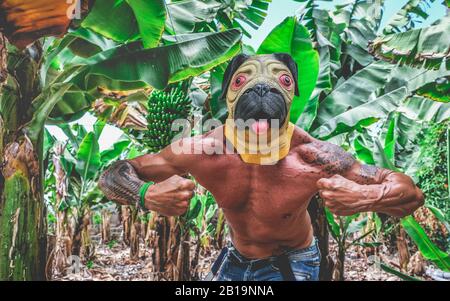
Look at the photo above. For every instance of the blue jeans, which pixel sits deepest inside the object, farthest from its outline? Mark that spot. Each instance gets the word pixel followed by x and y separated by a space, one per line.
pixel 305 264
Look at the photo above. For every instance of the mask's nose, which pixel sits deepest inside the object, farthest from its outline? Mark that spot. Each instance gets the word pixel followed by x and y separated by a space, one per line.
pixel 261 89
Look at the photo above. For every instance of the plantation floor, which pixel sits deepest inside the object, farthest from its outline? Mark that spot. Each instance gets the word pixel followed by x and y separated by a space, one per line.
pixel 114 264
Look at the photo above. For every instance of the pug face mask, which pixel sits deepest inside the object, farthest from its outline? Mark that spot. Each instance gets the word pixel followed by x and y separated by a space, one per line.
pixel 259 91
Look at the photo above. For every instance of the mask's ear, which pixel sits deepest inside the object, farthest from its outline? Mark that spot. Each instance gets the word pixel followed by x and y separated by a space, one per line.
pixel 292 65
pixel 234 64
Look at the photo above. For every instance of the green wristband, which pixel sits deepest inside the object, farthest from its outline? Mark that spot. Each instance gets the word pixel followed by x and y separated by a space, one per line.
pixel 142 192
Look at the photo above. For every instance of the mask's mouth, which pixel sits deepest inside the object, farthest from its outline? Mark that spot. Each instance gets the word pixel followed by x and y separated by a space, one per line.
pixel 260 108
pixel 260 126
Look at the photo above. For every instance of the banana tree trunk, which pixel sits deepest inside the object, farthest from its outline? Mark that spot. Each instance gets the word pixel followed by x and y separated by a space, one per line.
pixel 339 266
pixel 60 252
pixel 106 226
pixel 220 229
pixel 402 247
pixel 316 211
pixel 182 271
pixel 134 234
pixel 23 226
pixel 3 62
pixel 22 219
pixel 82 245
pixel 126 224
pixel 88 249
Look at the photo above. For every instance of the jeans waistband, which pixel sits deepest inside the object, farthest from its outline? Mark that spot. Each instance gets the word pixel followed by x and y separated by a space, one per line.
pixel 312 249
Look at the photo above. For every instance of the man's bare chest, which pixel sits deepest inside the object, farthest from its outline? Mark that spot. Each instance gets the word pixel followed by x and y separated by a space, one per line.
pixel 285 186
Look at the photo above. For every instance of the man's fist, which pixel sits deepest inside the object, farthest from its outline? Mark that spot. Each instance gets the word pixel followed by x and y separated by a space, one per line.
pixel 342 196
pixel 170 197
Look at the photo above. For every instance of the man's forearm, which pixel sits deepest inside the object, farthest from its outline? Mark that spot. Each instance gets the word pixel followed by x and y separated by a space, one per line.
pixel 390 192
pixel 396 195
pixel 120 183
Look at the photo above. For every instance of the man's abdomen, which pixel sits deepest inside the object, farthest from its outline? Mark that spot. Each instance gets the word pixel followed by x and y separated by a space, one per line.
pixel 256 238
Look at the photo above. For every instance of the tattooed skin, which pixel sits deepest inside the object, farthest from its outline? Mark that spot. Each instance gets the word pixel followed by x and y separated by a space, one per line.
pixel 368 173
pixel 332 157
pixel 121 183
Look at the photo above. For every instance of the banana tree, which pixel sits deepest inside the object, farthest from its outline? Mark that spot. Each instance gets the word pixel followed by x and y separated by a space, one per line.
pixel 82 162
pixel 23 235
pixel 64 84
pixel 342 228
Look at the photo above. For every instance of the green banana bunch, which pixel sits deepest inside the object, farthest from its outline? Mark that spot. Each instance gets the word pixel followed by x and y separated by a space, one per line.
pixel 164 108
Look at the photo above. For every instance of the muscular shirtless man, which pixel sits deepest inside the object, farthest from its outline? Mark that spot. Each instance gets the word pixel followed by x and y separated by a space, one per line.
pixel 263 188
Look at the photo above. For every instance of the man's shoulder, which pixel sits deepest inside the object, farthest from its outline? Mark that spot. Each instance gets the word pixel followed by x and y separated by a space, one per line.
pixel 300 137
pixel 328 156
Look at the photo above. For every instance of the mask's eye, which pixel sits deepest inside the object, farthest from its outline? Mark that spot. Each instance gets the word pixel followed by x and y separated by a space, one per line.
pixel 238 81
pixel 286 81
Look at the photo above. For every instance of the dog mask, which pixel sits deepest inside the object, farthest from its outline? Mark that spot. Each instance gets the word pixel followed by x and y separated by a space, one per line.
pixel 259 91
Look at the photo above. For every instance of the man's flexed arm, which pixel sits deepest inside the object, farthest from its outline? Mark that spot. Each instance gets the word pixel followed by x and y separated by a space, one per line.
pixel 381 190
pixel 352 187
pixel 124 179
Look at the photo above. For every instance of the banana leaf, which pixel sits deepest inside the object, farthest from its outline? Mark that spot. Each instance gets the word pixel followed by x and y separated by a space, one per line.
pixel 130 67
pixel 326 34
pixel 184 15
pixel 98 128
pixel 369 149
pixel 195 15
pixel 81 41
pixel 405 19
pixel 352 11
pixel 217 106
pixel 114 152
pixel 363 153
pixel 113 19
pixel 427 46
pixel 293 38
pixel 390 140
pixel 362 115
pixel 407 147
pixel 353 225
pixel 252 13
pixel 128 20
pixel 437 91
pixel 397 273
pixel 426 247
pixel 371 81
pixel 424 109
pixel 88 157
pixel 334 227
pixel 71 105
pixel 357 90
pixel 43 105
pixel 150 17
pixel 87 43
pixel 361 20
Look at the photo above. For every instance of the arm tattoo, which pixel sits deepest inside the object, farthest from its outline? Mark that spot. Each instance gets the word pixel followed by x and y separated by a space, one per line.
pixel 368 173
pixel 332 158
pixel 121 183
